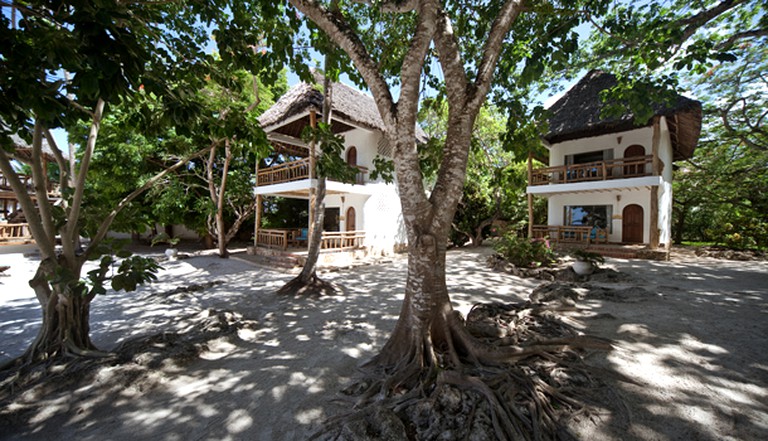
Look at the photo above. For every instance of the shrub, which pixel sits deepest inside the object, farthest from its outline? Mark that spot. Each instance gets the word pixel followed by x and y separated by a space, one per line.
pixel 525 253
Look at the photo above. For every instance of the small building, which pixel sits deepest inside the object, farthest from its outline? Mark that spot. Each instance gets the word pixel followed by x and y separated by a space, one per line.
pixel 609 180
pixel 363 217
pixel 13 223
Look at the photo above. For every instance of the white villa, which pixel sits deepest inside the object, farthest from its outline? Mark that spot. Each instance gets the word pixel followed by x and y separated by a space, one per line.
pixel 364 217
pixel 608 180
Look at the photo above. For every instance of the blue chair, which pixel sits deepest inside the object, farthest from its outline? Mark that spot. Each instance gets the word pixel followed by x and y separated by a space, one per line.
pixel 303 236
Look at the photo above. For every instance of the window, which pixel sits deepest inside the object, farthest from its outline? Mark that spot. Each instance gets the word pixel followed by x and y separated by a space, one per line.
pixel 589 215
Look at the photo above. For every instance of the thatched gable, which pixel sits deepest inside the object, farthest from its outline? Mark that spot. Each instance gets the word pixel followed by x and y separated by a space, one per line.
pixel 577 115
pixel 23 150
pixel 349 105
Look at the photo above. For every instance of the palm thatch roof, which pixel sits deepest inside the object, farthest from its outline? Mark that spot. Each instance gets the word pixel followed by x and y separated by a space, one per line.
pixel 349 107
pixel 290 114
pixel 577 115
pixel 23 150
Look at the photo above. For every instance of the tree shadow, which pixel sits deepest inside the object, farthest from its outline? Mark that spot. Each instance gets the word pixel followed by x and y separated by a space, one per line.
pixel 694 351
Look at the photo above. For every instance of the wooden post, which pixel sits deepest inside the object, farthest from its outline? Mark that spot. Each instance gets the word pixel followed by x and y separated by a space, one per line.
pixel 654 231
pixel 312 189
pixel 259 200
pixel 530 196
pixel 258 208
pixel 656 161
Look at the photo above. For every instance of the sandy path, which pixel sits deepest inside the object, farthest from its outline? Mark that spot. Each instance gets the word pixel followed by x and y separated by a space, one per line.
pixel 697 352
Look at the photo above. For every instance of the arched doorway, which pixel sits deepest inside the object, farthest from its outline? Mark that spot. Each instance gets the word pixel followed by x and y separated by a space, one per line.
pixel 633 151
pixel 352 156
pixel 632 224
pixel 351 219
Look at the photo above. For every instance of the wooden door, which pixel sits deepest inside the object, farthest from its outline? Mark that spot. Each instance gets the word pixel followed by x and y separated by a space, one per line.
pixel 634 151
pixel 632 224
pixel 352 156
pixel 351 223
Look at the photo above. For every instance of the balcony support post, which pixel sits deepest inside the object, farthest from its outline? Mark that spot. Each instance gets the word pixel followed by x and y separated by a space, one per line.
pixel 530 196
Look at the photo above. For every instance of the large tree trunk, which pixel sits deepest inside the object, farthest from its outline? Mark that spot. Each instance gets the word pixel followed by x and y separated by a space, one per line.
pixel 65 326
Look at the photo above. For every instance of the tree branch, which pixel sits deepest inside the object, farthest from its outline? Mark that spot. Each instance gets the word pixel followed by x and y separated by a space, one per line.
pixel 44 242
pixel 344 37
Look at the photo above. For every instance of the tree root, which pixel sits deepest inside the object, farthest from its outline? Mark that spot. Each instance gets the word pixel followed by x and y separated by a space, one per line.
pixel 314 287
pixel 453 384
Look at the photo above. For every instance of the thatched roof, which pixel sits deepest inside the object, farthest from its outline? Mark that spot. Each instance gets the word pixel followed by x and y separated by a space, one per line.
pixel 23 150
pixel 350 106
pixel 577 115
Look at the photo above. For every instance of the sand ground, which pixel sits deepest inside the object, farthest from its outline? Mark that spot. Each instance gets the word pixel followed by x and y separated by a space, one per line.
pixel 690 361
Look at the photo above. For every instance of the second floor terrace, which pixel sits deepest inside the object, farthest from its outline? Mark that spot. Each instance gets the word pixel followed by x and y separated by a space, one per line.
pixel 296 171
pixel 623 168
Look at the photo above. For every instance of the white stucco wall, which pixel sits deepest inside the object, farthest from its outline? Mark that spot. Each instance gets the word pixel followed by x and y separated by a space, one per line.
pixel 366 143
pixel 378 214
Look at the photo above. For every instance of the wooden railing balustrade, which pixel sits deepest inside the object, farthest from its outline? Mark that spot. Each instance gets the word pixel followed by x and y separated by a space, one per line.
pixel 282 238
pixel 297 171
pixel 26 180
pixel 14 232
pixel 570 233
pixel 594 171
pixel 288 172
pixel 342 240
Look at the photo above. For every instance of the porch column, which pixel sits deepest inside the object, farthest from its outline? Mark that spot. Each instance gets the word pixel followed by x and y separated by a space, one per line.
pixel 656 161
pixel 654 223
pixel 312 189
pixel 259 200
pixel 258 207
pixel 530 196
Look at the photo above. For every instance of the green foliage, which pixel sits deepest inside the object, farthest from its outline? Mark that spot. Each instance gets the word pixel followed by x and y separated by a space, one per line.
pixel 330 163
pixel 124 271
pixel 588 256
pixel 383 168
pixel 523 252
pixel 165 238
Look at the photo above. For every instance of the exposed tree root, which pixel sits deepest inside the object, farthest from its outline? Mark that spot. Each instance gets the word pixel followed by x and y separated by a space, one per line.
pixel 315 286
pixel 508 372
pixel 134 359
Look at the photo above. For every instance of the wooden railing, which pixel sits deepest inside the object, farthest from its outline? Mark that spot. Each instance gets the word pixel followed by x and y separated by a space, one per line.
pixel 10 232
pixel 26 180
pixel 567 233
pixel 342 240
pixel 274 238
pixel 594 171
pixel 360 176
pixel 288 172
pixel 297 171
pixel 282 238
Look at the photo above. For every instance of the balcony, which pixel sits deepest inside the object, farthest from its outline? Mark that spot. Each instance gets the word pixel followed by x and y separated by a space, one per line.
pixel 622 168
pixel 296 171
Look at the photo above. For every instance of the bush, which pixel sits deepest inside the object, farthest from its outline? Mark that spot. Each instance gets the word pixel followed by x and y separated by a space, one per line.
pixel 525 253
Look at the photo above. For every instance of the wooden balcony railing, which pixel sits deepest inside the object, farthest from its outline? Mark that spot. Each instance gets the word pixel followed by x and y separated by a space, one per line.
pixel 288 172
pixel 297 171
pixel 594 171
pixel 26 181
pixel 568 233
pixel 342 240
pixel 10 232
pixel 282 238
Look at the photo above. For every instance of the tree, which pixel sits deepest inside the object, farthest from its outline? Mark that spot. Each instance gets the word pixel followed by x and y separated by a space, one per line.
pixel 388 43
pixel 64 62
pixel 717 49
pixel 720 192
